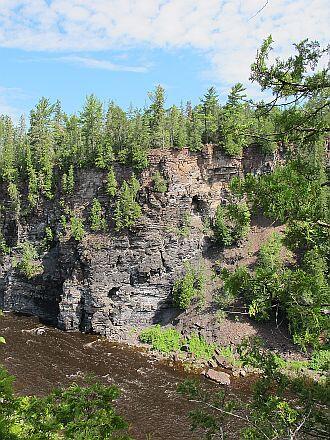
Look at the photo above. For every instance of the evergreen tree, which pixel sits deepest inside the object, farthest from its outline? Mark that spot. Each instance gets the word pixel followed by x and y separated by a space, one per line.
pixel 177 128
pixel 116 127
pixel 97 220
pixel 91 119
pixel 42 145
pixel 127 209
pixel 194 132
pixel 157 118
pixel 210 110
pixel 111 183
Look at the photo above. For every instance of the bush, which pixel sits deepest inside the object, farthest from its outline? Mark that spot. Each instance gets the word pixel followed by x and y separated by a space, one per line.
pixel 84 413
pixel 28 263
pixel 231 223
pixel 160 184
pixel 190 286
pixel 77 228
pixel 4 249
pixel 291 191
pixel 127 209
pixel 111 183
pixel 98 222
pixel 320 360
pixel 222 232
pixel 199 348
pixel 165 340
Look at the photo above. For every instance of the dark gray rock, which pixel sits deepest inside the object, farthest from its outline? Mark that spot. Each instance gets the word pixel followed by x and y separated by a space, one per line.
pixel 110 283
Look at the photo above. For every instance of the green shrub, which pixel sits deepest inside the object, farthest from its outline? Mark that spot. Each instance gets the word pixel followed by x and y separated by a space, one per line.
pixel 160 184
pixel 74 413
pixel 28 263
pixel 199 348
pixel 127 209
pixel 77 228
pixel 222 232
pixel 68 181
pixel 239 215
pixel 291 191
pixel 4 249
pixel 97 221
pixel 111 183
pixel 231 223
pixel 190 286
pixel 320 360
pixel 165 340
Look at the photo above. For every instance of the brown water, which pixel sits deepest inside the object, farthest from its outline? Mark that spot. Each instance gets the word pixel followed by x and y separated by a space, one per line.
pixel 149 399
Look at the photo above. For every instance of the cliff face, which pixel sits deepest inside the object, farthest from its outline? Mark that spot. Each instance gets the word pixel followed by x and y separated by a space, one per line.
pixel 112 282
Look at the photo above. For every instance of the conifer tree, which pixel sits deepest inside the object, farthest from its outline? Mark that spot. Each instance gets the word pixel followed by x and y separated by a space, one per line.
pixel 111 183
pixel 157 117
pixel 91 119
pixel 210 110
pixel 42 144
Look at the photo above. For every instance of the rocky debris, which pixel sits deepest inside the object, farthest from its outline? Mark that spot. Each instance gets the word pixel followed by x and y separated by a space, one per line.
pixel 36 331
pixel 218 376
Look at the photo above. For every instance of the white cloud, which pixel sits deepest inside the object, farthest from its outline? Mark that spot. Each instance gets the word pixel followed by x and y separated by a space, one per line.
pixel 223 30
pixel 9 95
pixel 95 63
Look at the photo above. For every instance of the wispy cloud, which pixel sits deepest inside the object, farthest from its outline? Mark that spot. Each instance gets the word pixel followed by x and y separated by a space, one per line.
pixel 8 97
pixel 94 63
pixel 228 33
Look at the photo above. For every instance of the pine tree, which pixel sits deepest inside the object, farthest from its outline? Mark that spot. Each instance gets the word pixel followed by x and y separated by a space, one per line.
pixel 97 220
pixel 210 110
pixel 42 144
pixel 91 119
pixel 111 183
pixel 194 132
pixel 127 209
pixel 177 128
pixel 157 117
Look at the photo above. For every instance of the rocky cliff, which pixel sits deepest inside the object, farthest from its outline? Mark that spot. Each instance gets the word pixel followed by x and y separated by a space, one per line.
pixel 111 282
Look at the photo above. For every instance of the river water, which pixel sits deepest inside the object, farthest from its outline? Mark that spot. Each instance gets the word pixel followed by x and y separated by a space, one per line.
pixel 43 360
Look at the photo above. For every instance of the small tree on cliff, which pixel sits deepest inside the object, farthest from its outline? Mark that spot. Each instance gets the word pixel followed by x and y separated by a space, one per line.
pixel 127 209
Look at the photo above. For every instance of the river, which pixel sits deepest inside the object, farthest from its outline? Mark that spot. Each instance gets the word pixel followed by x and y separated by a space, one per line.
pixel 42 360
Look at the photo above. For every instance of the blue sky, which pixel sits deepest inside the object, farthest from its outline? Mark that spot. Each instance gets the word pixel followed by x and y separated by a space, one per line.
pixel 120 49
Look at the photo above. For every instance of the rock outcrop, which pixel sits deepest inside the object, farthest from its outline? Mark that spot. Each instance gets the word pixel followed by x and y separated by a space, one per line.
pixel 111 282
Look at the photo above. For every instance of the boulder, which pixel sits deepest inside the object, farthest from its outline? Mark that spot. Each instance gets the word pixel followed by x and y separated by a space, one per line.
pixel 218 376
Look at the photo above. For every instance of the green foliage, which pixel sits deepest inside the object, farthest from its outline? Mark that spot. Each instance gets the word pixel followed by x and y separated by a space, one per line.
pixel 77 227
pixel 222 232
pixel 14 196
pixel 4 248
pixel 261 288
pixel 277 406
pixel 299 293
pixel 164 340
pixel 127 210
pixel 159 182
pixel 111 183
pixel 199 348
pixel 28 263
pixel 231 223
pixel 276 194
pixel 168 340
pixel 74 413
pixel 48 237
pixel 97 220
pixel 68 181
pixel 320 360
pixel 189 287
pixel 157 117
